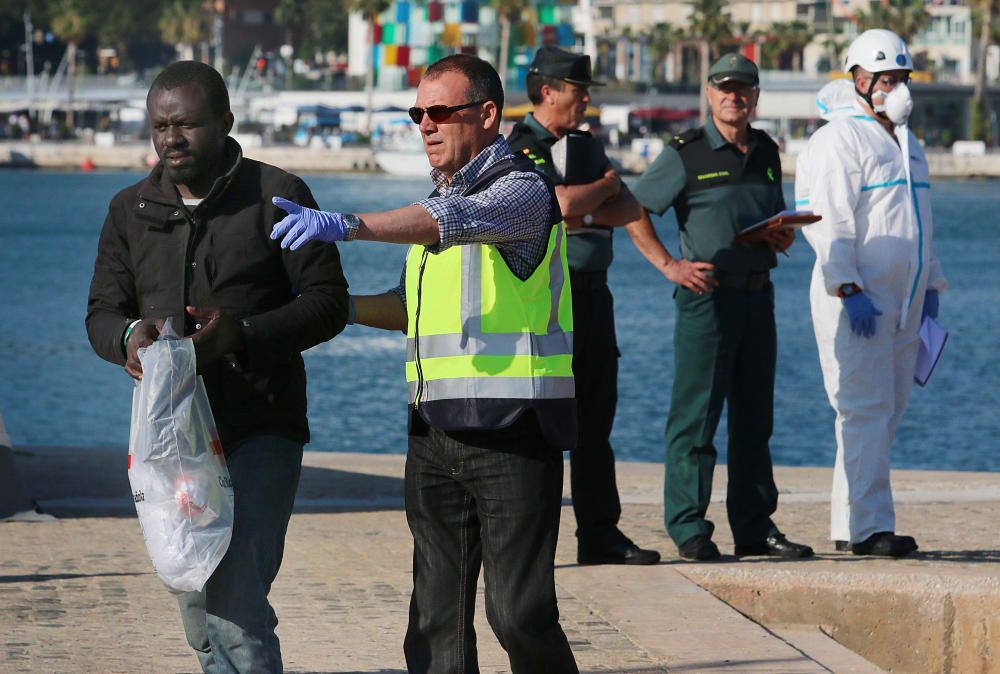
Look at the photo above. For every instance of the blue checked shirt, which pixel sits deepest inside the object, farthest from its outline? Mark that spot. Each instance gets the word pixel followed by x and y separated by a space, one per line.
pixel 512 213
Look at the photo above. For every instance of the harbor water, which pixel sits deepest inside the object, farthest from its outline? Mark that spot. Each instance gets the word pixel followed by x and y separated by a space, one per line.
pixel 55 391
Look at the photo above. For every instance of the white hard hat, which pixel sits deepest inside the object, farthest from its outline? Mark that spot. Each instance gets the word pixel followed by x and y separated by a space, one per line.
pixel 878 50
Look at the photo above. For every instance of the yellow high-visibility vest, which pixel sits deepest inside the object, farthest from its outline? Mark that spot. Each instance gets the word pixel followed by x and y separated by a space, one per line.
pixel 477 331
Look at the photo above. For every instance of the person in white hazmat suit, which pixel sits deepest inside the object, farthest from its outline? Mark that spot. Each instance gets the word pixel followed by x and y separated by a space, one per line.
pixel 875 277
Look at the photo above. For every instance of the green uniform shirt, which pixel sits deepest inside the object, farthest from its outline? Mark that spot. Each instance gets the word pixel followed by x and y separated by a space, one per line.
pixel 585 251
pixel 716 191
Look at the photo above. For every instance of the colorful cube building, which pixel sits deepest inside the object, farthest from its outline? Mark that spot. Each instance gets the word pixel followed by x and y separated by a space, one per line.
pixel 410 35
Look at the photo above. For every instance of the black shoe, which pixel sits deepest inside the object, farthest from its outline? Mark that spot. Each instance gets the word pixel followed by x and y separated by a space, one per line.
pixel 699 548
pixel 622 552
pixel 842 546
pixel 775 545
pixel 885 544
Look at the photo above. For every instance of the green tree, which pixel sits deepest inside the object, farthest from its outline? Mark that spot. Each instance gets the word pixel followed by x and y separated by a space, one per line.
pixel 125 24
pixel 183 24
pixel 834 44
pixel 906 18
pixel 72 22
pixel 325 26
pixel 662 40
pixel 785 44
pixel 370 9
pixel 709 25
pixel 12 16
pixel 509 12
pixel 291 14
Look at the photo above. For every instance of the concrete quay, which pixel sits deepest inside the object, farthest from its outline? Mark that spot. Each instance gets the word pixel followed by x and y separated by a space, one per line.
pixel 78 594
pixel 134 156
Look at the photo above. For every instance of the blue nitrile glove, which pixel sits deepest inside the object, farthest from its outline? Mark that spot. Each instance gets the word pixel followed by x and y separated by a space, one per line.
pixel 862 313
pixel 303 224
pixel 931 304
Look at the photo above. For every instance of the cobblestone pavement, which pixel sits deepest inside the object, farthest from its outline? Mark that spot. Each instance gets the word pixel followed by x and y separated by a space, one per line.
pixel 78 594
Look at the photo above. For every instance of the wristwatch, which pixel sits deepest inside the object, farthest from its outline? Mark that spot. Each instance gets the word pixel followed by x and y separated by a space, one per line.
pixel 848 289
pixel 588 220
pixel 351 224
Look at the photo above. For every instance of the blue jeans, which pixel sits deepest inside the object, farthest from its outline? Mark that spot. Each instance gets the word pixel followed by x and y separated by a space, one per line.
pixel 490 499
pixel 230 623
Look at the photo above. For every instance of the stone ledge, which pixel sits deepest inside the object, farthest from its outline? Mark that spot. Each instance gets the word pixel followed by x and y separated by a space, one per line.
pixel 908 622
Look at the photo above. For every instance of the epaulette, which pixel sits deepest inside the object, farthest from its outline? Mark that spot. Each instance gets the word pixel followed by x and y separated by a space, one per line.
pixel 682 139
pixel 764 137
pixel 533 157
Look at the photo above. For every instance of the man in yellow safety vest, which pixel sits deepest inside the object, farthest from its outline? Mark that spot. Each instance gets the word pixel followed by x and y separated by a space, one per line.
pixel 485 303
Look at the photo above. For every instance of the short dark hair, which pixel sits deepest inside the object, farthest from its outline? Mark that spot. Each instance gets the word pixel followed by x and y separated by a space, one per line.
pixel 182 73
pixel 534 82
pixel 484 82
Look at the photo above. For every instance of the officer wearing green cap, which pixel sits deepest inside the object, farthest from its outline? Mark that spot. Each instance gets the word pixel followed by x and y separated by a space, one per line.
pixel 720 178
pixel 593 200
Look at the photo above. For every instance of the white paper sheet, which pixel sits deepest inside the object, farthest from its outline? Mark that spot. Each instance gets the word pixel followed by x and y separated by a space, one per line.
pixel 933 337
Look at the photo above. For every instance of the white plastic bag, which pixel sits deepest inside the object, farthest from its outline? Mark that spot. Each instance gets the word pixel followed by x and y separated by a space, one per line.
pixel 180 482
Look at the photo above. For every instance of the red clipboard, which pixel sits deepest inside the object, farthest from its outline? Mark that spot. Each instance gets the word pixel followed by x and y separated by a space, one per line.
pixel 783 220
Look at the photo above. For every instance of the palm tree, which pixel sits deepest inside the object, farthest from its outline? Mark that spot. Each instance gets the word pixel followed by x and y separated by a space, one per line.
pixel 508 13
pixel 183 25
pixel 72 21
pixel 787 39
pixel 370 9
pixel 125 25
pixel 291 14
pixel 834 44
pixel 325 24
pixel 906 18
pixel 709 24
pixel 662 39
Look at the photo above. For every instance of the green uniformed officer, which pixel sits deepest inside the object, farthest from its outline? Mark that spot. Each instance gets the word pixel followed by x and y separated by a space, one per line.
pixel 592 200
pixel 720 178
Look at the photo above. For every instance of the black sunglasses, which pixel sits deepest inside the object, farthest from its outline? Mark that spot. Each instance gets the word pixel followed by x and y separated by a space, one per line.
pixel 438 113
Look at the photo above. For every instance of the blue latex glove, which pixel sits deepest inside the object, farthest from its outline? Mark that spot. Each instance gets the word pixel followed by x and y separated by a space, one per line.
pixel 303 224
pixel 862 313
pixel 931 304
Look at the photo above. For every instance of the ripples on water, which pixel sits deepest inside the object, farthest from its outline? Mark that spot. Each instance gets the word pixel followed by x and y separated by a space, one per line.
pixel 54 391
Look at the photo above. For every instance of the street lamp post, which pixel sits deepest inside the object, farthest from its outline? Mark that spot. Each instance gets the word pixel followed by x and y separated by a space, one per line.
pixel 217 24
pixel 29 59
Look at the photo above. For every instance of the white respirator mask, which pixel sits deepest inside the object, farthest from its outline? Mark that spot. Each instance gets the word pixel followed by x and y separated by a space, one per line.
pixel 896 105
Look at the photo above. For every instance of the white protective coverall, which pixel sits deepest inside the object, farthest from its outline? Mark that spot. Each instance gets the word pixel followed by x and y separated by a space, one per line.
pixel 876 231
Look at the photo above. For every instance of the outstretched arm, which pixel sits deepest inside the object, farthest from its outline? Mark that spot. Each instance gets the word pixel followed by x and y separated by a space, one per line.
pixel 385 311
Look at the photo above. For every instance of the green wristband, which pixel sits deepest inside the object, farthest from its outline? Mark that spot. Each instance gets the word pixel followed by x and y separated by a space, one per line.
pixel 128 331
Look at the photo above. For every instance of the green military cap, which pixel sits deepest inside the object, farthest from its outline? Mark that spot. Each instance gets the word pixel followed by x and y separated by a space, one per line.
pixel 563 65
pixel 734 68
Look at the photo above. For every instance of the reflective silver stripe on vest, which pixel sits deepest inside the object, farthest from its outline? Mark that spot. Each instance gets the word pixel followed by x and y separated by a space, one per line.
pixel 473 340
pixel 521 388
pixel 503 344
pixel 472 289
pixel 556 280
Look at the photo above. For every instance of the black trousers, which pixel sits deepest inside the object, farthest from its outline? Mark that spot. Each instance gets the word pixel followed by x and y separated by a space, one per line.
pixel 490 499
pixel 595 368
